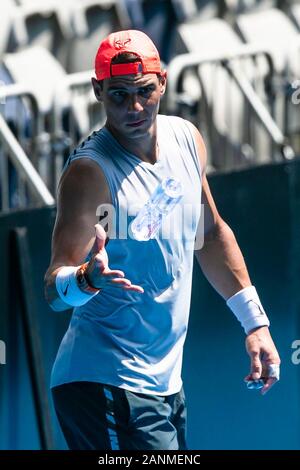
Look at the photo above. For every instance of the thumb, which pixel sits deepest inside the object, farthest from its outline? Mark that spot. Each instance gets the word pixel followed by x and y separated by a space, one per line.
pixel 256 367
pixel 100 237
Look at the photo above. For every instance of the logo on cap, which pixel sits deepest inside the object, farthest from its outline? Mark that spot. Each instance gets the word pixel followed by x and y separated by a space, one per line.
pixel 120 44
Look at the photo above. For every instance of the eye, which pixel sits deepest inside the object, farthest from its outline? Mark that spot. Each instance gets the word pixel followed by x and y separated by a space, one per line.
pixel 119 94
pixel 145 90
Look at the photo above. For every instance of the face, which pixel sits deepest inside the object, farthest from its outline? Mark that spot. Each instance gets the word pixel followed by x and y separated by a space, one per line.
pixel 131 103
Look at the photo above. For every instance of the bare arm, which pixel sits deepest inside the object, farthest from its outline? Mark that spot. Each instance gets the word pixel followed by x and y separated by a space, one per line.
pixel 220 258
pixel 223 265
pixel 82 189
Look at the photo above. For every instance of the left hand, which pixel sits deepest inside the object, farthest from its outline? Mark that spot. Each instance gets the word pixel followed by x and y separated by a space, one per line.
pixel 262 352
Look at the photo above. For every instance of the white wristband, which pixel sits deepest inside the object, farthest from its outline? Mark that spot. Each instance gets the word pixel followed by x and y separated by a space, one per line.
pixel 248 309
pixel 68 289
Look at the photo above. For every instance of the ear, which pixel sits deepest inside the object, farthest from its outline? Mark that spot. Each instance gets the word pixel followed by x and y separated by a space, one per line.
pixel 163 82
pixel 97 89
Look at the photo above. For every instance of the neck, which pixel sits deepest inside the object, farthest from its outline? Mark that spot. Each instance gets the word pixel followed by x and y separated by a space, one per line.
pixel 145 148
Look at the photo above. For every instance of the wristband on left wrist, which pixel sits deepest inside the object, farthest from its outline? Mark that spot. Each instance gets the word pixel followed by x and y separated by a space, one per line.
pixel 248 309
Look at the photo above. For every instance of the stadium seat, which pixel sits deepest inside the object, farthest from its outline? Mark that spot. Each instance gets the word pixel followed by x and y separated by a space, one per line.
pixel 274 30
pixel 8 26
pixel 38 70
pixel 158 19
pixel 245 6
pixel 92 20
pixel 295 13
pixel 46 25
pixel 226 122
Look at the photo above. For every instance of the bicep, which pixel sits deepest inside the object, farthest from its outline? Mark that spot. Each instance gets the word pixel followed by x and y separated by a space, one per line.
pixel 209 209
pixel 80 193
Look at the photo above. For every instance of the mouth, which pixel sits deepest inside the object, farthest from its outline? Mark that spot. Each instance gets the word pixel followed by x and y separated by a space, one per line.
pixel 136 123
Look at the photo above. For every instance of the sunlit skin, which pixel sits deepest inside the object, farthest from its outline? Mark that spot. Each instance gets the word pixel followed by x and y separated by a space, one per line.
pixel 131 103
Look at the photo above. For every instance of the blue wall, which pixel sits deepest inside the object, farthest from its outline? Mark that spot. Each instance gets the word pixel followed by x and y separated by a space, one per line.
pixel 263 208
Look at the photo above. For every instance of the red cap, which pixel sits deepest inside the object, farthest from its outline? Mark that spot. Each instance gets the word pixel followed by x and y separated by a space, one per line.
pixel 133 41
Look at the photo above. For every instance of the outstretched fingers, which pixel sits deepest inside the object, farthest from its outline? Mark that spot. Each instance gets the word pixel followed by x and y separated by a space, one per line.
pixel 134 288
pixel 117 279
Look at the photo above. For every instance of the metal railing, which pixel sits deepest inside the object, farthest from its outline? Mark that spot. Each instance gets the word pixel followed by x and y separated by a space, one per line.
pixel 71 126
pixel 28 184
pixel 254 111
pixel 51 139
pixel 37 159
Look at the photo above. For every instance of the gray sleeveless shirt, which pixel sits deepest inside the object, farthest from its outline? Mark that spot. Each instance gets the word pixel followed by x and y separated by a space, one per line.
pixel 127 339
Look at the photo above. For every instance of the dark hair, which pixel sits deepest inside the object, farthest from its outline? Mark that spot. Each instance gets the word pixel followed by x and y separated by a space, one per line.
pixel 125 58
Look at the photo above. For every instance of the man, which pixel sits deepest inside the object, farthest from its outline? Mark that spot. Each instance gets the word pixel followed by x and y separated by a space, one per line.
pixel 117 376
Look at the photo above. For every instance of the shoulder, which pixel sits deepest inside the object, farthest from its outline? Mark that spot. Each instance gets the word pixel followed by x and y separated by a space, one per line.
pixel 175 124
pixel 190 130
pixel 179 122
pixel 85 163
pixel 164 119
pixel 84 178
pixel 94 143
pixel 199 143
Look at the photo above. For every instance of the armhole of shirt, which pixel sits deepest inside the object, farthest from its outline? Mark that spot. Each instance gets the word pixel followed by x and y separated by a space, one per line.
pixel 195 155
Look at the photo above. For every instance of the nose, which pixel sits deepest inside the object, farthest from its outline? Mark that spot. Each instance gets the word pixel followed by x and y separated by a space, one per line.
pixel 134 103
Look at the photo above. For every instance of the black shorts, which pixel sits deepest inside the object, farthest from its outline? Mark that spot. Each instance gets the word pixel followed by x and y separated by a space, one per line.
pixel 103 417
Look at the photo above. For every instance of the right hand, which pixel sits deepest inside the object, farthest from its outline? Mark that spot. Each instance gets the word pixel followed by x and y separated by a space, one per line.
pixel 98 271
pixel 263 354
